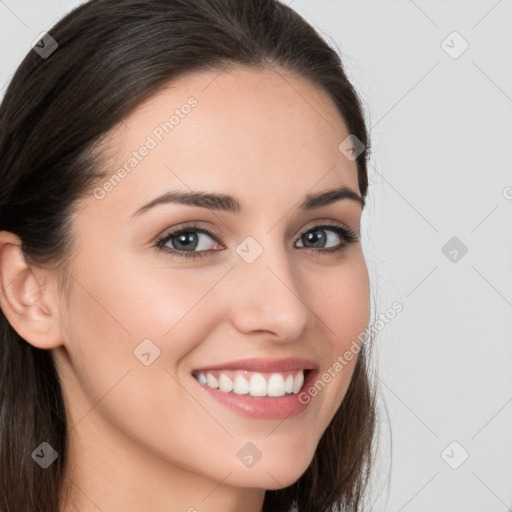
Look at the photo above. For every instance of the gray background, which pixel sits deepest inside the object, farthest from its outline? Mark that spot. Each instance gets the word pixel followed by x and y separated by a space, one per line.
pixel 441 131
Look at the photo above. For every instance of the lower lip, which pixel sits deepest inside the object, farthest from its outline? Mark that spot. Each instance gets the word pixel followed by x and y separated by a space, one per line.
pixel 265 407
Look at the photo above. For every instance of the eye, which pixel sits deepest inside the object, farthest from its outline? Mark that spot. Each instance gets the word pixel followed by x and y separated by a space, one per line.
pixel 316 235
pixel 191 242
pixel 186 242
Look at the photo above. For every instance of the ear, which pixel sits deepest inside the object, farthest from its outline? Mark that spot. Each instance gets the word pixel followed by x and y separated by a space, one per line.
pixel 28 306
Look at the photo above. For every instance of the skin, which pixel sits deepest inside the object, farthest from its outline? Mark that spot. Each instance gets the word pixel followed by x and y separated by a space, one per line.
pixel 148 437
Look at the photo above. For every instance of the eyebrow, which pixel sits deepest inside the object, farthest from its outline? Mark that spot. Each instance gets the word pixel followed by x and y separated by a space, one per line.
pixel 224 202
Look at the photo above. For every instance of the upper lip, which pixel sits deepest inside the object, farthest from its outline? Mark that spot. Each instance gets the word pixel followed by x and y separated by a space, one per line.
pixel 264 365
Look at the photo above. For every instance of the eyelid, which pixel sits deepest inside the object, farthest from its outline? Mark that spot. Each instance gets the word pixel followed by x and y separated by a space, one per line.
pixel 347 235
pixel 193 226
pixel 324 222
pixel 218 236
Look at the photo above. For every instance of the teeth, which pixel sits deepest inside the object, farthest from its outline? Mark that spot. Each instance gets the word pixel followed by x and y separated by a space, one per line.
pixel 241 386
pixel 288 384
pixel 299 380
pixel 211 381
pixel 276 385
pixel 225 383
pixel 258 385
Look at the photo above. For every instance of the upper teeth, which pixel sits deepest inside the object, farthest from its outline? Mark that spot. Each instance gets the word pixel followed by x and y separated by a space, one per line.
pixel 255 384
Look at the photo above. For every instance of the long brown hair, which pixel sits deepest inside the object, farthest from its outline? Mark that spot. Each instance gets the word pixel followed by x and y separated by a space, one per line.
pixel 111 56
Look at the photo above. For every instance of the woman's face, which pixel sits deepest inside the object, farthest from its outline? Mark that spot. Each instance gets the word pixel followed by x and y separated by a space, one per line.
pixel 144 325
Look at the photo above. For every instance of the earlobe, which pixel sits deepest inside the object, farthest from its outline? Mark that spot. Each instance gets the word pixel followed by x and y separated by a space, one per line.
pixel 23 300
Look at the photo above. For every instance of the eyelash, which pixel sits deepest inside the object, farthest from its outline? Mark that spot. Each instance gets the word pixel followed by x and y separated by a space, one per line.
pixel 347 234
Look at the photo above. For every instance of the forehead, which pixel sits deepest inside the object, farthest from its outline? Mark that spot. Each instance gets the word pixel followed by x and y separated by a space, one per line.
pixel 261 135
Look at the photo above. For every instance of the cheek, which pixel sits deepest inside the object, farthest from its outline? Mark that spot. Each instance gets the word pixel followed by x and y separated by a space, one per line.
pixel 130 326
pixel 119 304
pixel 111 313
pixel 343 309
pixel 342 301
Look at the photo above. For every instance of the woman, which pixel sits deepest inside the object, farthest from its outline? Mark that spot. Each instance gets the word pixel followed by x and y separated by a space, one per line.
pixel 185 299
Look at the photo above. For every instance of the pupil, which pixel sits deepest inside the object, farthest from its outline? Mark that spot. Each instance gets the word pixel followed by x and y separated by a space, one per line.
pixel 186 240
pixel 319 237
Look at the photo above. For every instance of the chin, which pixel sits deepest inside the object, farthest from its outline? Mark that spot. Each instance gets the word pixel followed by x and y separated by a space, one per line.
pixel 275 473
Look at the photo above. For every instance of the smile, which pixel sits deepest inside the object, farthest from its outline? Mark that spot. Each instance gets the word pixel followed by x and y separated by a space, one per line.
pixel 243 382
pixel 258 388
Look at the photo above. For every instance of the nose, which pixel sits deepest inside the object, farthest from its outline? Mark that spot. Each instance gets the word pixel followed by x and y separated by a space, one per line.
pixel 267 296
